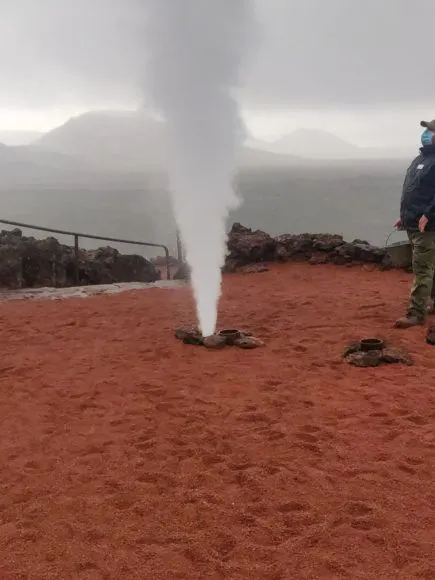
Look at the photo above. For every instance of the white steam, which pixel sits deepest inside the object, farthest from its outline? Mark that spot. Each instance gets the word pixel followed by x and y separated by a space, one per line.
pixel 197 54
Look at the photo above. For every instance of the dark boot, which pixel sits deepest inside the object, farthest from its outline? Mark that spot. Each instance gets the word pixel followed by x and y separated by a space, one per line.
pixel 409 321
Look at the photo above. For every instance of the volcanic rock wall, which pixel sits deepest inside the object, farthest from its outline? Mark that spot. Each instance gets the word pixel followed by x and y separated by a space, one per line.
pixel 26 262
pixel 246 246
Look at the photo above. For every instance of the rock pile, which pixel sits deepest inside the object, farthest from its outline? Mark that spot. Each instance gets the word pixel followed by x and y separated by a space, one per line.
pixel 356 356
pixel 248 249
pixel 241 339
pixel 246 246
pixel 26 262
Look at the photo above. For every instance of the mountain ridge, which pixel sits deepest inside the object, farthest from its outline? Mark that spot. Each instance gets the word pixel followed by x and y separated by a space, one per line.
pixel 133 140
pixel 319 144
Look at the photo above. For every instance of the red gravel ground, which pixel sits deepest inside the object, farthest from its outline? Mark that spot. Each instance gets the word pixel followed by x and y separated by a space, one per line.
pixel 125 454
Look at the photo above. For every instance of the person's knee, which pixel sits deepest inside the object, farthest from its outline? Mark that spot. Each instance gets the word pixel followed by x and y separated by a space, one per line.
pixel 424 258
pixel 423 278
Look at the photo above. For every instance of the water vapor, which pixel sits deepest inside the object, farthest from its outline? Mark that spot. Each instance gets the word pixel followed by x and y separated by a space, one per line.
pixel 198 53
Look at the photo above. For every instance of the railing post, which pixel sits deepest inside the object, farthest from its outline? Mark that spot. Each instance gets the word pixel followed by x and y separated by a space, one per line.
pixel 168 264
pixel 179 248
pixel 76 259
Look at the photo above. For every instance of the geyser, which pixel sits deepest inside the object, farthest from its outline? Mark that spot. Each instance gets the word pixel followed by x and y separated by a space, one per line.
pixel 197 56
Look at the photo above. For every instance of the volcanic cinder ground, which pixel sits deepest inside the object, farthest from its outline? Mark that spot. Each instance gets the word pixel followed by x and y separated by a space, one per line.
pixel 125 454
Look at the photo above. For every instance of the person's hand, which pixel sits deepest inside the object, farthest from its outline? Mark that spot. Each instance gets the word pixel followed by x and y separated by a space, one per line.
pixel 422 223
pixel 398 225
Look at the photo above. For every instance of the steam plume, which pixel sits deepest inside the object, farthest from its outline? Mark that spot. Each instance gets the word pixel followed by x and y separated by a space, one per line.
pixel 197 54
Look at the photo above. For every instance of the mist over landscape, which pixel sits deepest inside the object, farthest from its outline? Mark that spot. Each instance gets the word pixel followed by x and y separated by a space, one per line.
pixel 329 131
pixel 104 173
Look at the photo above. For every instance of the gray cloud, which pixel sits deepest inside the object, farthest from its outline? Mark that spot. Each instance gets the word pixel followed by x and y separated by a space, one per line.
pixel 357 52
pixel 71 52
pixel 365 53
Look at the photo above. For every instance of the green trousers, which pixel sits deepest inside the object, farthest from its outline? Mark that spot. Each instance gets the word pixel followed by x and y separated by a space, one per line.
pixel 423 267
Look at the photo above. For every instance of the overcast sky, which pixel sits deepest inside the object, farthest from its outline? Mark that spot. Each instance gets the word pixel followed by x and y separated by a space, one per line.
pixel 322 57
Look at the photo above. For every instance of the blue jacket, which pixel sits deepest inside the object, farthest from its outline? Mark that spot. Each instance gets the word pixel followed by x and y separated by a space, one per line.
pixel 418 194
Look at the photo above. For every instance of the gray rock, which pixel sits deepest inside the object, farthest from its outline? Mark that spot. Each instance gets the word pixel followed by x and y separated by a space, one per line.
pixel 189 335
pixel 392 355
pixel 246 246
pixel 319 258
pixel 26 262
pixel 372 358
pixel 248 342
pixel 215 342
pixel 254 269
pixel 358 252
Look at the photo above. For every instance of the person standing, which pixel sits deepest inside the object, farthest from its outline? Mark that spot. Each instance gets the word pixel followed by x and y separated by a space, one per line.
pixel 417 218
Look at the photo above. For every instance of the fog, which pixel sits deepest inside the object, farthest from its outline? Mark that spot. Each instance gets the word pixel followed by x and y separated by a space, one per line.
pixel 362 54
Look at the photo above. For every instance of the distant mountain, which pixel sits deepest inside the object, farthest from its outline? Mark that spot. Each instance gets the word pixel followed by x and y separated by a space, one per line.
pixel 25 154
pixel 26 166
pixel 315 144
pixel 322 145
pixel 255 157
pixel 124 150
pixel 102 150
pixel 106 138
pixel 129 141
pixel 14 138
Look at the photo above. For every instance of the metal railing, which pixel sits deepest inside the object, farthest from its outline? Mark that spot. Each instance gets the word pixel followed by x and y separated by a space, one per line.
pixel 77 236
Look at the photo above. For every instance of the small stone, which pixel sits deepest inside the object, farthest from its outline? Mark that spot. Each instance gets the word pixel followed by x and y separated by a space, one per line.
pixel 189 335
pixel 214 341
pixel 318 259
pixel 248 342
pixel 365 359
pixel 254 269
pixel 395 355
pixel 245 333
pixel 352 348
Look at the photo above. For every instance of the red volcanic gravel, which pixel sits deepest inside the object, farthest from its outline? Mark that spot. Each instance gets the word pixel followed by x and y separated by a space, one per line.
pixel 125 454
